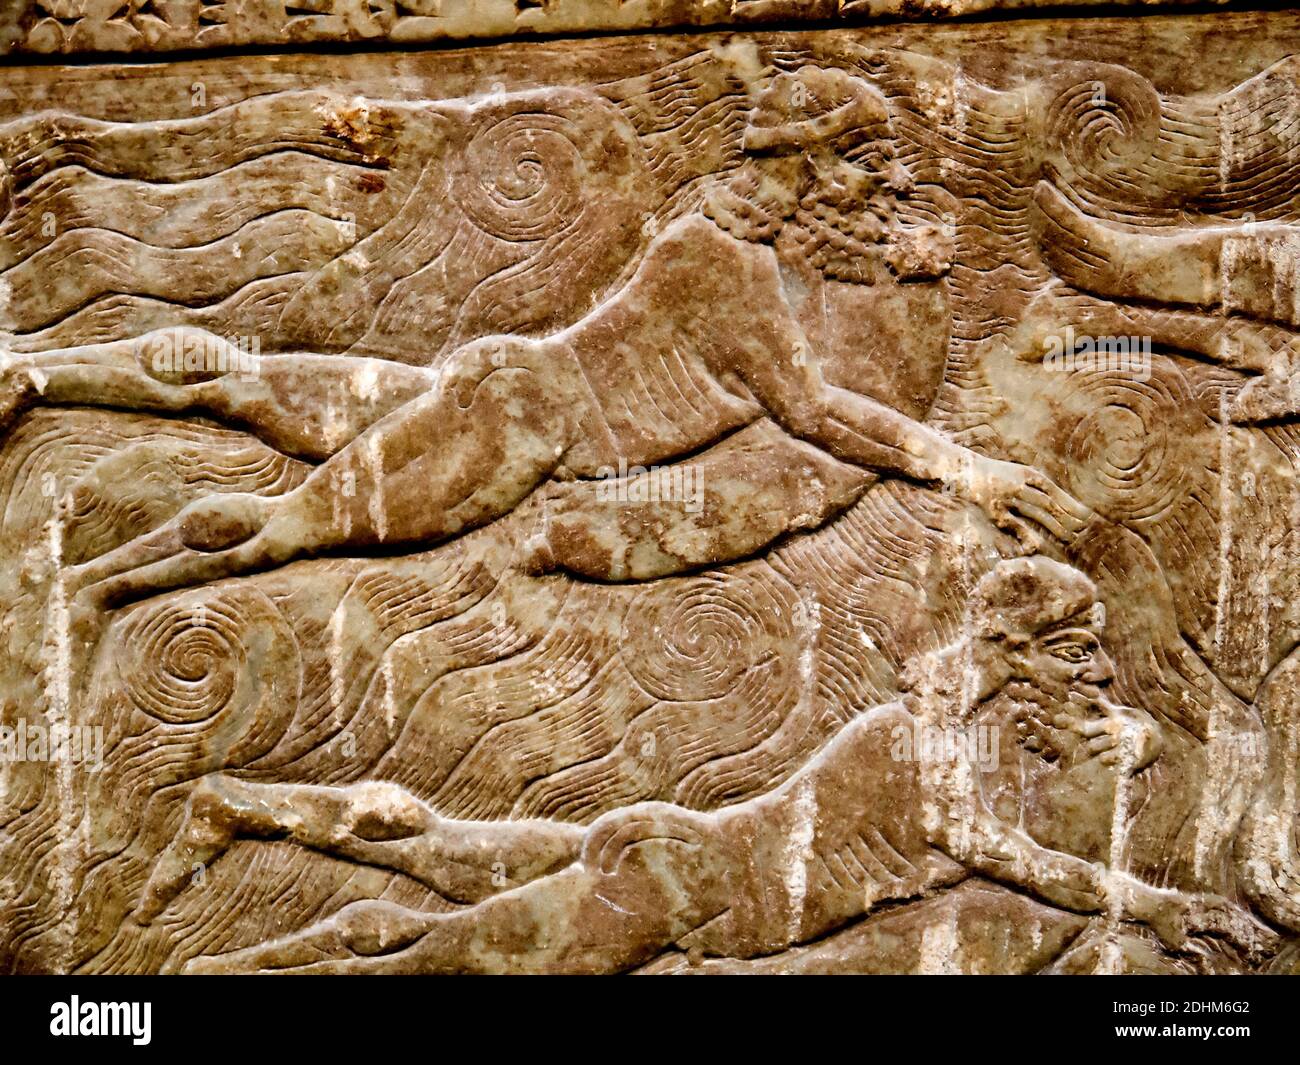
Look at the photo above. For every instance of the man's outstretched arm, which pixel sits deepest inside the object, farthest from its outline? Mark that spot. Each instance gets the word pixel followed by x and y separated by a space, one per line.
pixel 776 362
pixel 971 834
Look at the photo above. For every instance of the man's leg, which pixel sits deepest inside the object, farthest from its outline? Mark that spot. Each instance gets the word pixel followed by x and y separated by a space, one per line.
pixel 498 423
pixel 186 148
pixel 648 875
pixel 1237 267
pixel 1058 317
pixel 307 406
pixel 376 823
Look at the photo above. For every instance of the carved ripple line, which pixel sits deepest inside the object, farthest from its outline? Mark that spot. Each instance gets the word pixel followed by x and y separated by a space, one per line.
pixel 185 660
pixel 1124 463
pixel 522 177
pixel 1106 123
pixel 690 640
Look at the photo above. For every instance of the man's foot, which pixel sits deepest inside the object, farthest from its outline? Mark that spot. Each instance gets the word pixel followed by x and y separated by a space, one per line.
pixel 363 936
pixel 1266 398
pixel 211 539
pixel 208 830
pixel 18 390
pixel 1181 267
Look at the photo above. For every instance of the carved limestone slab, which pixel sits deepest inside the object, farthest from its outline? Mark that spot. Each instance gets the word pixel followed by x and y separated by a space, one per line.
pixel 819 500
pixel 81 26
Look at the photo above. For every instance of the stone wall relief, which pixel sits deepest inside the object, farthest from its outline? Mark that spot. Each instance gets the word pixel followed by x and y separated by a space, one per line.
pixel 538 531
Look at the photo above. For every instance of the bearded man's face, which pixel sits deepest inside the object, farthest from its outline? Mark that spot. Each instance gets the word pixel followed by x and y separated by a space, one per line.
pixel 1069 659
pixel 858 179
pixel 846 216
pixel 1059 684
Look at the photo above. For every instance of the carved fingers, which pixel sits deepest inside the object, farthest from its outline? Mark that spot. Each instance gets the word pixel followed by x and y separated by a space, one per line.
pixel 1213 915
pixel 1013 494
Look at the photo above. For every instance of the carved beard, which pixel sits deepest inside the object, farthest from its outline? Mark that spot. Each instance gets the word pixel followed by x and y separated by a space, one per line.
pixel 849 241
pixel 855 245
pixel 934 686
pixel 1031 706
pixel 736 207
pixel 844 247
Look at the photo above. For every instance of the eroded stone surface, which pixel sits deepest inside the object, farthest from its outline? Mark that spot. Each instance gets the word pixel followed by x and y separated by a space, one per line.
pixel 78 26
pixel 814 501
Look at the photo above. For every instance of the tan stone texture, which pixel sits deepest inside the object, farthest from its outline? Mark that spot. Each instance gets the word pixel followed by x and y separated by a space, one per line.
pixel 665 495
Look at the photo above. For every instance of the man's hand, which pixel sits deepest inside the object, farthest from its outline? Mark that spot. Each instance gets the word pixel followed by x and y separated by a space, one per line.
pixel 1012 494
pixel 1164 911
pixel 1112 733
pixel 1214 915
pixel 1177 917
pixel 1208 915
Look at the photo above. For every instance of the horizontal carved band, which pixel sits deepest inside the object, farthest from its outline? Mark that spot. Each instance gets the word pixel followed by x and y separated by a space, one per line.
pixel 66 27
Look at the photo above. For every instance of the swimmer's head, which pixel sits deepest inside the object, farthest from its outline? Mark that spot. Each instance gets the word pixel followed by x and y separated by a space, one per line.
pixel 822 158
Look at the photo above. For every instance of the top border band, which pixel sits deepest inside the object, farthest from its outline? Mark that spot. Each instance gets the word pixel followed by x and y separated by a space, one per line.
pixel 90 27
